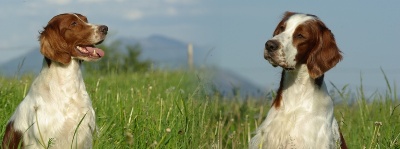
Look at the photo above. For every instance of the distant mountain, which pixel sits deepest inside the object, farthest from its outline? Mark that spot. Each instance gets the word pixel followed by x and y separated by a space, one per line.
pixel 165 53
pixel 169 52
pixel 230 84
pixel 30 62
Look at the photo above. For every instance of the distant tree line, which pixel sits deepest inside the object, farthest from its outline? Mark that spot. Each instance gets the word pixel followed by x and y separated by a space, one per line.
pixel 119 59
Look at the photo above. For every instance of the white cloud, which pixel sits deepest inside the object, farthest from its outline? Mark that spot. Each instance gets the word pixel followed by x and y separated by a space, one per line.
pixel 91 1
pixel 59 2
pixel 66 2
pixel 134 15
pixel 180 1
pixel 171 11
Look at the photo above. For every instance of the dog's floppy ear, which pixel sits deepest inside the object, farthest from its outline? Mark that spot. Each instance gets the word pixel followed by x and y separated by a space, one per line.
pixel 52 44
pixel 325 55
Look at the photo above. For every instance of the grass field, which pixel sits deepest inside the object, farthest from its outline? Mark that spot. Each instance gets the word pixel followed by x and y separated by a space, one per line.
pixel 170 109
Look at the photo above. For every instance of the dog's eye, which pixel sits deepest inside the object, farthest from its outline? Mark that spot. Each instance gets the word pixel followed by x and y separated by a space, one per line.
pixel 282 28
pixel 74 23
pixel 299 36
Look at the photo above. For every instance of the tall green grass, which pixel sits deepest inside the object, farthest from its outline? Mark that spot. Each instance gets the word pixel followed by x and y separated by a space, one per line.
pixel 170 109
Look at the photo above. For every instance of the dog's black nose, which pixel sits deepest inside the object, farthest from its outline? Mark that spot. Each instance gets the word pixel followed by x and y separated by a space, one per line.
pixel 103 29
pixel 271 45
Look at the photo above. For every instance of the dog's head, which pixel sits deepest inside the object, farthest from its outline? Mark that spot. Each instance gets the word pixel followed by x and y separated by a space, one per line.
pixel 69 36
pixel 302 39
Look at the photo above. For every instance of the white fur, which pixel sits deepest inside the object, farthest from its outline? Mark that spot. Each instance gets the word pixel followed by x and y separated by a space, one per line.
pixel 304 120
pixel 55 104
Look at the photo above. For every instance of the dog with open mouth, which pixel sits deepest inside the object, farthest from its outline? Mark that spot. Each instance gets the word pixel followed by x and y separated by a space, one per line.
pixel 57 111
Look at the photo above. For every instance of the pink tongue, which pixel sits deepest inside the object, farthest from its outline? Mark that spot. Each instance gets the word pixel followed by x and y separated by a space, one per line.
pixel 99 52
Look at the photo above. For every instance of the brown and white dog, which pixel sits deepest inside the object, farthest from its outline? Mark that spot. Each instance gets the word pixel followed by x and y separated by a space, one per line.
pixel 301 115
pixel 57 111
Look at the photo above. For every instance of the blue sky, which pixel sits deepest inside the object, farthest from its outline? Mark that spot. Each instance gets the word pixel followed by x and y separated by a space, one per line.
pixel 367 32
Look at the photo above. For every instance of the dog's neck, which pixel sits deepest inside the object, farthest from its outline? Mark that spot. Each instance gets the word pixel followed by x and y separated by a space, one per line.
pixel 70 71
pixel 59 78
pixel 299 85
pixel 300 76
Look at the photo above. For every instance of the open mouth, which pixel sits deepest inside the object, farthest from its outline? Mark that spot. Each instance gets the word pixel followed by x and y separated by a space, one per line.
pixel 90 51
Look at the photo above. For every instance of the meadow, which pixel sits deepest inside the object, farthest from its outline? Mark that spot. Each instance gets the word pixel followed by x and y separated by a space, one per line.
pixel 173 109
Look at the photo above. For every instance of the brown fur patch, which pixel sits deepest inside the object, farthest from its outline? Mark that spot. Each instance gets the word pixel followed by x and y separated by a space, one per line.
pixel 12 138
pixel 342 141
pixel 278 98
pixel 326 54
